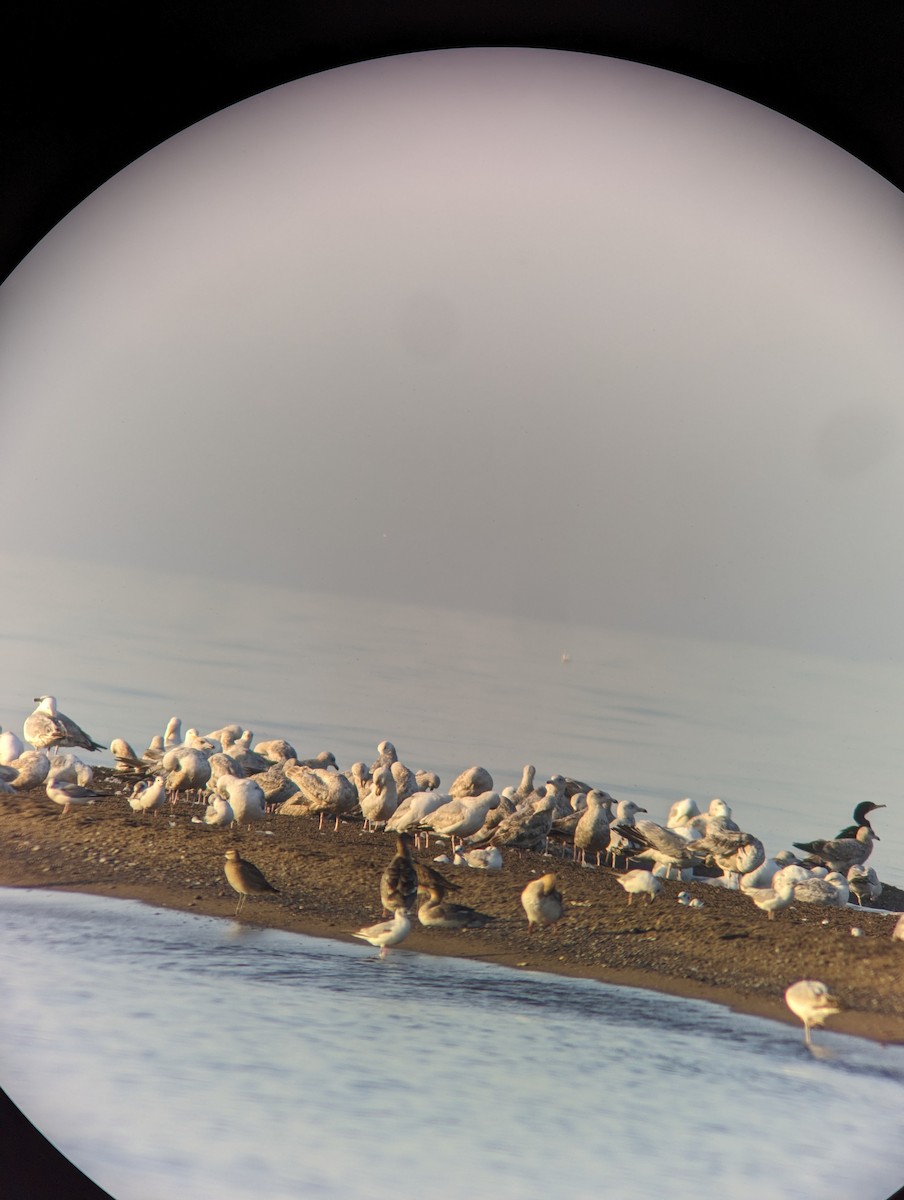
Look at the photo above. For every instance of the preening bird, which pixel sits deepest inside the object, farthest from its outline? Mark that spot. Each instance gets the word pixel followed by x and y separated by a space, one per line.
pixel 812 1002
pixel 542 902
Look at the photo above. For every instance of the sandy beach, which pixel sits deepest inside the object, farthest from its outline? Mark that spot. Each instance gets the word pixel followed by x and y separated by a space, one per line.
pixel 726 951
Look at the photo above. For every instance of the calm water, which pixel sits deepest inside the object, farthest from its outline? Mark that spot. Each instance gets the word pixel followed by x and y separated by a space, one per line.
pixel 176 1055
pixel 791 741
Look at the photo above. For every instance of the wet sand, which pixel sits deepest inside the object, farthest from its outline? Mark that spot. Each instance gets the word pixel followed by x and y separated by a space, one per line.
pixel 727 951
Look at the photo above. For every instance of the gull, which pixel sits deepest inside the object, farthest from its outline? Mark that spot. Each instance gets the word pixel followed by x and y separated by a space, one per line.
pixel 320 793
pixel 67 794
pixel 70 769
pixel 812 1002
pixel 246 797
pixel 47 726
pixel 460 817
pixel 10 747
pixel 149 797
pixel 386 934
pixel 187 770
pixel 380 802
pixel 657 843
pixel 731 850
pixel 276 749
pixel 399 882
pixel 526 786
pixel 245 878
pixel 126 758
pixel 840 854
pixel 475 781
pixel 223 764
pixel 717 811
pixel 405 778
pixel 772 899
pixel 488 858
pixel 592 830
pixel 639 882
pixel 359 775
pixel 250 762
pixel 415 809
pixel 218 812
pixel 620 843
pixel 438 913
pixel 276 785
pixel 172 736
pixel 527 828
pixel 542 902
pixel 33 767
pixel 216 735
pixel 833 891
pixel 864 883
pixel 427 781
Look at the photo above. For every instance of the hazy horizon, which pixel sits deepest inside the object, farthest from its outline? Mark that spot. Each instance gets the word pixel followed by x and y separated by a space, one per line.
pixel 506 330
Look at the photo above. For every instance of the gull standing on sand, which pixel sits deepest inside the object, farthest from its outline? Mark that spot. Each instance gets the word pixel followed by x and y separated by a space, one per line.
pixel 245 878
pixel 772 899
pixel 592 830
pixel 638 883
pixel 47 726
pixel 840 854
pixel 386 934
pixel 381 801
pixel 69 794
pixel 542 902
pixel 864 884
pixel 149 797
pixel 320 793
pixel 245 796
pixel 812 1002
pixel 187 771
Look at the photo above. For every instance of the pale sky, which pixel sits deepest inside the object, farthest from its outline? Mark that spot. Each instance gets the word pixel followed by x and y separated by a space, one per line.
pixel 529 331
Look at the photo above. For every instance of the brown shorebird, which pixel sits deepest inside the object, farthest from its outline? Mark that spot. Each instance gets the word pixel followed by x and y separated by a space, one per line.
pixel 398 883
pixel 245 878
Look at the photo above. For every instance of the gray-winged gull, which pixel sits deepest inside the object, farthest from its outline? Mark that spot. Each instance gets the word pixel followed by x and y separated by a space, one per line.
pixel 47 726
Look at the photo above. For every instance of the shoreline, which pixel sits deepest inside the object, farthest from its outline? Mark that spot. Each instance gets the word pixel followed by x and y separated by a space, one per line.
pixel 726 952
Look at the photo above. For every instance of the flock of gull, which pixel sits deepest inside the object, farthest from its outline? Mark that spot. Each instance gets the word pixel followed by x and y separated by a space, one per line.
pixel 241 783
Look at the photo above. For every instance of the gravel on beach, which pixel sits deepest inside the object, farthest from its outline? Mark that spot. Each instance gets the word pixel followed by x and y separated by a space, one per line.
pixel 727 950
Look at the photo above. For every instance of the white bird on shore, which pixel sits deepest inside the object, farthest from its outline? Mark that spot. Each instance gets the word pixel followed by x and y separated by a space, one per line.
pixel 488 858
pixel 812 1002
pixel 414 809
pixel 47 727
pixel 69 769
pixel 10 747
pixel 246 797
pixel 638 883
pixel 772 899
pixel 833 891
pixel 381 800
pixel 218 813
pixel 387 934
pixel 69 794
pixel 149 797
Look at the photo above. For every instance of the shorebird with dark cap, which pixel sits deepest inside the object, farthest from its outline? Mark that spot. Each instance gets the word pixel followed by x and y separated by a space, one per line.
pixel 245 878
